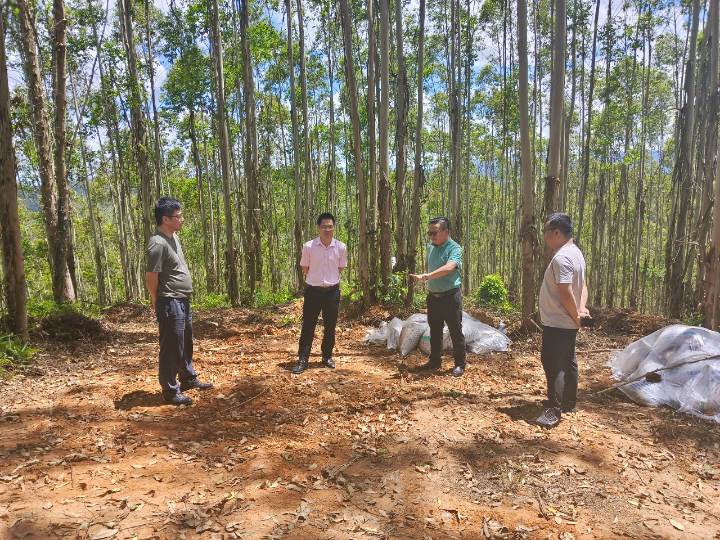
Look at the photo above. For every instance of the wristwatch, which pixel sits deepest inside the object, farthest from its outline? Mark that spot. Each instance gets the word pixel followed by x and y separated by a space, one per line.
pixel 424 277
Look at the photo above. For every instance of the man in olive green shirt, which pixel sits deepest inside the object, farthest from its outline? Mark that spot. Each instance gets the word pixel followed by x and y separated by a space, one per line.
pixel 444 299
pixel 169 283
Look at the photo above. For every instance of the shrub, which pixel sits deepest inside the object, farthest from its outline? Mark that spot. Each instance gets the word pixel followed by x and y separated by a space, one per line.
pixel 492 291
pixel 12 350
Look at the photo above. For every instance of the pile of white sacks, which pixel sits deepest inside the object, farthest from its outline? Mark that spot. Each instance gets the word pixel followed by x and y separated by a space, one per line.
pixel 415 333
pixel 677 366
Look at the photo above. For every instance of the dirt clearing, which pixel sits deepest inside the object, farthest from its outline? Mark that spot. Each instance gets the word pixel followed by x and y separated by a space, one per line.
pixel 370 450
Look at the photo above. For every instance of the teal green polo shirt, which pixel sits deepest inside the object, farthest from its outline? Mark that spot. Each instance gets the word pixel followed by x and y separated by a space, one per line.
pixel 439 256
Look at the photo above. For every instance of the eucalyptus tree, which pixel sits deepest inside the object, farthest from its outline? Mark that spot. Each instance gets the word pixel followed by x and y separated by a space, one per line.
pixel 384 196
pixel 308 159
pixel 528 229
pixel 230 250
pixel 711 312
pixel 13 265
pixel 139 131
pixel 185 92
pixel 675 247
pixel 299 214
pixel 371 100
pixel 553 189
pixel 402 98
pixel 418 174
pixel 588 130
pixel 351 82
pixel 63 283
pixel 252 167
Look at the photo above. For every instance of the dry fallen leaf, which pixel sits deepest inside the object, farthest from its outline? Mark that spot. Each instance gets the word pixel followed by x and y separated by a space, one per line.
pixel 679 526
pixel 103 533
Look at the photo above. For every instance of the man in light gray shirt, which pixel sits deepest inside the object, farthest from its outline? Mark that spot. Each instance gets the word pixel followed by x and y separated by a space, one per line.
pixel 169 283
pixel 563 296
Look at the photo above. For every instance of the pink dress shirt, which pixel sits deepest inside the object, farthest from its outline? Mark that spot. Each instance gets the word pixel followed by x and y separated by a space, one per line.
pixel 324 262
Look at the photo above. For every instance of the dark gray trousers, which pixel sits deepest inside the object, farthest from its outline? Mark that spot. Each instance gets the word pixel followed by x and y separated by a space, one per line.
pixel 560 364
pixel 176 343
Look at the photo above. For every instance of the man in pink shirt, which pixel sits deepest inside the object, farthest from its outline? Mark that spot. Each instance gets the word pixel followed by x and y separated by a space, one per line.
pixel 323 259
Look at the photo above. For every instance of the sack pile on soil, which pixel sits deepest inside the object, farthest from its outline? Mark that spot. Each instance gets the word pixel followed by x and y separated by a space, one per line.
pixel 677 366
pixel 415 333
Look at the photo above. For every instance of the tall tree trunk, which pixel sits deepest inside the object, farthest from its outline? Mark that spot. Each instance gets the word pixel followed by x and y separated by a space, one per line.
pixel 252 167
pixel 528 229
pixel 13 264
pixel 401 129
pixel 417 177
pixel 711 314
pixel 372 146
pixel 157 156
pixel 682 178
pixel 384 198
pixel 64 245
pixel 97 254
pixel 62 283
pixel 640 189
pixel 551 202
pixel 299 215
pixel 139 133
pixel 357 152
pixel 207 251
pixel 332 168
pixel 455 182
pixel 588 131
pixel 308 161
pixel 230 249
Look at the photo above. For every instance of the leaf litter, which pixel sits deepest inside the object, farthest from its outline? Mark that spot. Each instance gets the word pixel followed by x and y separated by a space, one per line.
pixel 370 450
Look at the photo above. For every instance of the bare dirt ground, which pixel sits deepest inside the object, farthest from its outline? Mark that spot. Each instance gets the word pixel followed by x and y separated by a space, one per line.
pixel 88 449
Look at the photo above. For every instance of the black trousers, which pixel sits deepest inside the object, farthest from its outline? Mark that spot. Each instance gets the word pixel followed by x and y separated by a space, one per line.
pixel 560 364
pixel 317 301
pixel 176 343
pixel 446 310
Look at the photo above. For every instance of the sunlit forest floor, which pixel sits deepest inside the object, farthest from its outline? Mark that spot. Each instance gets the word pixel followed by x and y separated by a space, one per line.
pixel 372 449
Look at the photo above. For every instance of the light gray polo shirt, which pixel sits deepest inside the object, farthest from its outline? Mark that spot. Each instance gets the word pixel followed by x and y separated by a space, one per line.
pixel 165 256
pixel 567 266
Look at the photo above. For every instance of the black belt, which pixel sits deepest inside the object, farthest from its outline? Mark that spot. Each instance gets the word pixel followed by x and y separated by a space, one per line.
pixel 445 293
pixel 324 288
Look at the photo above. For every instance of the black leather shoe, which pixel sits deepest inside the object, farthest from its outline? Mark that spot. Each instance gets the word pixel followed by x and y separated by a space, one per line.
pixel 179 399
pixel 300 366
pixel 427 366
pixel 195 385
pixel 458 371
pixel 549 418
pixel 329 362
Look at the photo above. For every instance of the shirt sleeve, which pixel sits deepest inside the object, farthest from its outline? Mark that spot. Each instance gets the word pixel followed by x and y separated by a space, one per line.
pixel 455 256
pixel 342 258
pixel 155 256
pixel 305 258
pixel 563 269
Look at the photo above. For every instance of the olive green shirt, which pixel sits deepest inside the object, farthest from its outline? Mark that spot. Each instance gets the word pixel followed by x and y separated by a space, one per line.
pixel 165 256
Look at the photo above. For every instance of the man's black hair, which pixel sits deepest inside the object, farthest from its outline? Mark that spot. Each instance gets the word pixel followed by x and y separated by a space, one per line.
pixel 325 215
pixel 443 221
pixel 561 222
pixel 166 206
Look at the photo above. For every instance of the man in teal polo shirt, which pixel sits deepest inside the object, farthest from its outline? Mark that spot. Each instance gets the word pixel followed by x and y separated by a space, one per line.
pixel 444 299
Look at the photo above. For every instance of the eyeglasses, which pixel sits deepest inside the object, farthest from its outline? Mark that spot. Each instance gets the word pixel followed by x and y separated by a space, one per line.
pixel 433 234
pixel 327 227
pixel 545 231
pixel 178 216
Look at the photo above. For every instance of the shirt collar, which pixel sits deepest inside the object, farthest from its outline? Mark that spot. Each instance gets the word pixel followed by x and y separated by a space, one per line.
pixel 318 241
